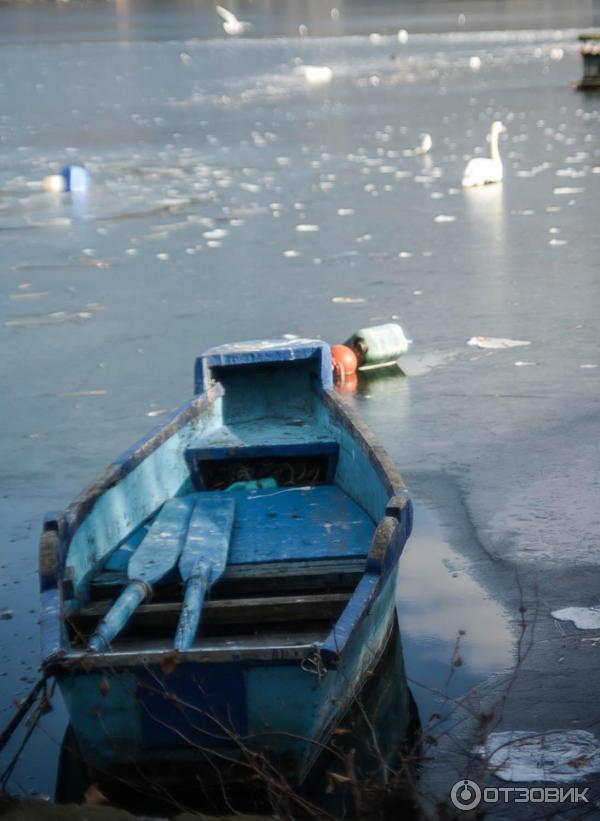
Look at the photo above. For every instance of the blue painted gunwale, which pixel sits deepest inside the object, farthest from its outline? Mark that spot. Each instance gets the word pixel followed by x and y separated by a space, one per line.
pixel 364 623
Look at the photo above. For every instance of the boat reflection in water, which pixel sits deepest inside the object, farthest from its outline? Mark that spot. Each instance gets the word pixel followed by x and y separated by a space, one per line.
pixel 363 764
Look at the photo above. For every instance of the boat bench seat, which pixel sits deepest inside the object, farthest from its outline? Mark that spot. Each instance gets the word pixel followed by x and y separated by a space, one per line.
pixel 296 524
pixel 274 578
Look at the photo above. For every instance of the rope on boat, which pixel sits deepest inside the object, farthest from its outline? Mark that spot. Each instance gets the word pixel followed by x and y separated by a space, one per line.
pixel 314 665
pixel 24 708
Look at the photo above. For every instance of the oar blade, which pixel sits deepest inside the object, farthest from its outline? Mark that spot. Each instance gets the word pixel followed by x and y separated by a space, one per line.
pixel 156 556
pixel 159 552
pixel 203 560
pixel 208 538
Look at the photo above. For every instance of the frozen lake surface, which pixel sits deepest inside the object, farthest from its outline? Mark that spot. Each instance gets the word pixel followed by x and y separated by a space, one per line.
pixel 233 199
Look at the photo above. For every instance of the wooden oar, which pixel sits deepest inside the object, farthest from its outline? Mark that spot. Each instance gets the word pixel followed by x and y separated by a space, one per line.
pixel 156 556
pixel 203 560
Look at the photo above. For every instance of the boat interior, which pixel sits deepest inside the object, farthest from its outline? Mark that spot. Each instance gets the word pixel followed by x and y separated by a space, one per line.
pixel 302 524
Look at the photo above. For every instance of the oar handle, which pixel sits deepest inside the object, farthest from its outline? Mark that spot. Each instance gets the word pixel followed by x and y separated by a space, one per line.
pixel 195 591
pixel 118 615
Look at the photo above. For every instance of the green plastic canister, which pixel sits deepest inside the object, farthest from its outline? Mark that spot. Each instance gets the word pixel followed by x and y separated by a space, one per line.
pixel 377 346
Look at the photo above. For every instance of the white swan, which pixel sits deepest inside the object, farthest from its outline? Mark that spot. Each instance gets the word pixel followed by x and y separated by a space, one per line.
pixel 426 144
pixel 232 25
pixel 424 147
pixel 483 170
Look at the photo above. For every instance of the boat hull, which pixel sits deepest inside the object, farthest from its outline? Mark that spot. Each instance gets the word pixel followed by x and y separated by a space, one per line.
pixel 376 734
pixel 147 710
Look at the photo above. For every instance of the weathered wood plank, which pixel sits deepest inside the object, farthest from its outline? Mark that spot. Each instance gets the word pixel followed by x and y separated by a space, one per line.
pixel 235 611
pixel 252 572
pixel 272 644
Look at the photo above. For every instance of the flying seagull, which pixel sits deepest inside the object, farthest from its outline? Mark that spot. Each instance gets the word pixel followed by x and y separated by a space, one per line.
pixel 231 24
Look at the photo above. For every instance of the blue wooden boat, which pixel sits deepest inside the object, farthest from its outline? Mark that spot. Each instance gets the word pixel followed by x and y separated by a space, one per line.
pixel 266 506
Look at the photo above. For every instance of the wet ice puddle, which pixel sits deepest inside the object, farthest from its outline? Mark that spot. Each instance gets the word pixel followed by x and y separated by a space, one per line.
pixel 454 635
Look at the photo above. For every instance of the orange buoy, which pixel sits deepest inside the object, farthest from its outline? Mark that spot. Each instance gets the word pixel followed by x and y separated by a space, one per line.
pixel 344 360
pixel 349 384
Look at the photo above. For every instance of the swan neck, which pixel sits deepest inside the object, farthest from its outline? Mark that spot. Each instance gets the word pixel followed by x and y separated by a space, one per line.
pixel 494 151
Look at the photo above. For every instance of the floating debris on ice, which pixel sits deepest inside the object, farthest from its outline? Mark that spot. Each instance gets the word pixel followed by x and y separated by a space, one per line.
pixel 29 295
pixel 53 222
pixel 495 342
pixel 291 253
pixel 522 364
pixel 556 755
pixel 565 191
pixel 53 318
pixel 316 75
pixel 345 212
pixel 584 618
pixel 419 365
pixel 6 614
pixel 444 218
pixel 588 365
pixel 475 63
pixel 402 36
pixel 307 229
pixel 156 413
pixel 348 300
pixel 99 392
